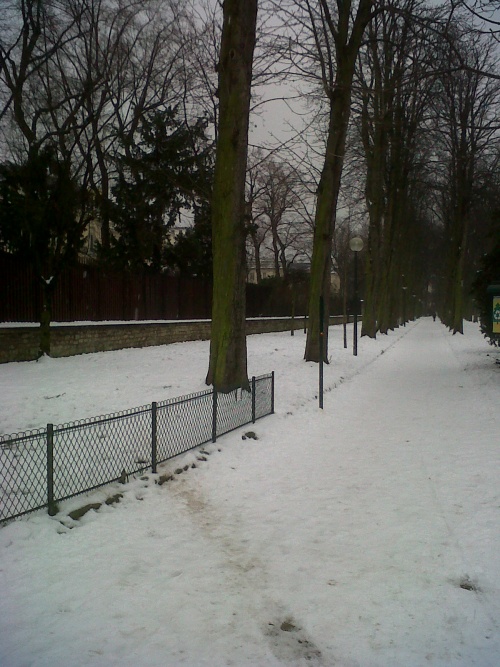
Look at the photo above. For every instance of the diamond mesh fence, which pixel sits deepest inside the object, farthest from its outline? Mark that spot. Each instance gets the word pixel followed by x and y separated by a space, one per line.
pixel 184 423
pixel 233 410
pixel 40 468
pixel 94 452
pixel 264 395
pixel 23 473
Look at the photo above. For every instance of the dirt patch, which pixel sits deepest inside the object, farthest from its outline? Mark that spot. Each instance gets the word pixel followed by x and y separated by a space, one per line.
pixel 290 643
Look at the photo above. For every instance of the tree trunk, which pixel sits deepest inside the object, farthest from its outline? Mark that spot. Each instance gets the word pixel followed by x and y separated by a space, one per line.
pixel 45 318
pixel 228 355
pixel 375 151
pixel 276 254
pixel 324 223
pixel 258 268
pixel 456 297
pixel 347 45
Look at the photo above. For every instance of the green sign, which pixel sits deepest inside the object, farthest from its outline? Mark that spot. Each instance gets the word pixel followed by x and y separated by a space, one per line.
pixel 496 314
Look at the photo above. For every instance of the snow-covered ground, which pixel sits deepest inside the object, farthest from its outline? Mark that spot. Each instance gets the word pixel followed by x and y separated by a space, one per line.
pixel 362 535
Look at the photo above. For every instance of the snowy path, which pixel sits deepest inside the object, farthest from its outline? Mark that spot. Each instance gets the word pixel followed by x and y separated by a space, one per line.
pixel 363 535
pixel 367 515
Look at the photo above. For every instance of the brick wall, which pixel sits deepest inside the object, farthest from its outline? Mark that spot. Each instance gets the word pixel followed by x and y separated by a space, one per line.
pixel 21 343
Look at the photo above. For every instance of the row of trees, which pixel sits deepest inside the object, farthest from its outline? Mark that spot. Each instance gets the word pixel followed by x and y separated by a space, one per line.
pixel 430 135
pixel 428 95
pixel 112 111
pixel 422 144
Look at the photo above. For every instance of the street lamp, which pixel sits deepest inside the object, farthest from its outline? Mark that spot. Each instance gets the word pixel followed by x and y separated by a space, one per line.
pixel 356 245
pixel 404 305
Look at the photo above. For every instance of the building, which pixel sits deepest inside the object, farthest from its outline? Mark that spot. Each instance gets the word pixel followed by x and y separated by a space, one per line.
pixel 267 270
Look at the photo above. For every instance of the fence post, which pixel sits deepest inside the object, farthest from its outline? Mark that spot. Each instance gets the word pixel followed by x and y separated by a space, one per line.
pixel 272 393
pixel 214 415
pixel 153 437
pixel 253 399
pixel 50 470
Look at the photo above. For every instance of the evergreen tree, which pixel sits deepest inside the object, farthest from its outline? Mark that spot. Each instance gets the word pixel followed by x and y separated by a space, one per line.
pixel 42 220
pixel 165 172
pixel 190 253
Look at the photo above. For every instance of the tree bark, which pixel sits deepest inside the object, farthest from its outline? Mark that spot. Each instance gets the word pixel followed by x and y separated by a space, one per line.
pixel 228 355
pixel 45 318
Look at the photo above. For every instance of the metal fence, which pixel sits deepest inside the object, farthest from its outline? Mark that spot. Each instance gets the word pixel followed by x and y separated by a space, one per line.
pixel 40 468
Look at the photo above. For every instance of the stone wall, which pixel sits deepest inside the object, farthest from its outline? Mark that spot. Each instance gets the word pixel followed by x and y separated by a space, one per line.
pixel 21 343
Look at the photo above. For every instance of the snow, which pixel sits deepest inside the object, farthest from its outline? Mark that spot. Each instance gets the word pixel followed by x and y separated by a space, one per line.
pixel 361 535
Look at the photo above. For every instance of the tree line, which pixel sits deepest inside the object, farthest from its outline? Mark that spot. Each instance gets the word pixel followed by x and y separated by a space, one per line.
pixel 136 114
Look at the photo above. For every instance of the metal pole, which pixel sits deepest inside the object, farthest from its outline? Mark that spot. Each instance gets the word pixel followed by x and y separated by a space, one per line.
pixel 356 299
pixel 153 436
pixel 321 345
pixel 344 306
pixel 253 399
pixel 50 470
pixel 214 415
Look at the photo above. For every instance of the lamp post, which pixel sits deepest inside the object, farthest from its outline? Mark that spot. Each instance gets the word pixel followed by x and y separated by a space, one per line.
pixel 321 347
pixel 356 245
pixel 404 305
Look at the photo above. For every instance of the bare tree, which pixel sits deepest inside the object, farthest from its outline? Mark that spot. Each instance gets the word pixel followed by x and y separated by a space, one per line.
pixel 83 74
pixel 397 85
pixel 40 121
pixel 323 44
pixel 279 224
pixel 467 113
pixel 257 231
pixel 37 35
pixel 137 56
pixel 484 14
